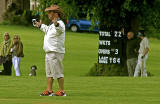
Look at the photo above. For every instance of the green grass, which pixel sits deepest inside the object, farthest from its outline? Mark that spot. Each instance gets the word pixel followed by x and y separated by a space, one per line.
pixel 81 53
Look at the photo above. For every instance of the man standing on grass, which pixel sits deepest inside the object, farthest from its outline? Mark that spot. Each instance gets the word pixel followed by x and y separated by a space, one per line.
pixel 132 53
pixel 54 47
pixel 142 57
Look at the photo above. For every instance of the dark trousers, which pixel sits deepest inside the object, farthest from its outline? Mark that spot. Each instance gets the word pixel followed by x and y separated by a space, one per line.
pixel 7 68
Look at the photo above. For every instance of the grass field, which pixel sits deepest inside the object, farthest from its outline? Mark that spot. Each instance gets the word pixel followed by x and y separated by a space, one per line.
pixel 81 54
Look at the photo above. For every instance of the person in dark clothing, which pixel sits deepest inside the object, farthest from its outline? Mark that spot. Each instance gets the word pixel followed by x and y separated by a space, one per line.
pixel 6 55
pixel 132 52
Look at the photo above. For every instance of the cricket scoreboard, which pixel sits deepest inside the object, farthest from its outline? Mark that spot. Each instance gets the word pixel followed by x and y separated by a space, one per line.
pixel 110 47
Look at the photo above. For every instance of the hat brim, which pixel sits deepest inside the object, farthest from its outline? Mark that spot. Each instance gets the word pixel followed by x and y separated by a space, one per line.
pixel 49 9
pixel 55 8
pixel 52 8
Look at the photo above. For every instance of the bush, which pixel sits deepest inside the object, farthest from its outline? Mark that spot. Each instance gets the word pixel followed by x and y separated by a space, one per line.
pixel 24 19
pixel 107 70
pixel 17 16
pixel 152 32
pixel 110 70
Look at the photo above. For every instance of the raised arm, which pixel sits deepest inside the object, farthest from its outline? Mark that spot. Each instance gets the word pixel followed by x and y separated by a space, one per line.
pixel 60 28
pixel 44 28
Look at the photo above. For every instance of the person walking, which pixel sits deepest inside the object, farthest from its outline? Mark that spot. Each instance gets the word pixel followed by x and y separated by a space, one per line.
pixel 6 55
pixel 132 52
pixel 142 57
pixel 17 54
pixel 54 48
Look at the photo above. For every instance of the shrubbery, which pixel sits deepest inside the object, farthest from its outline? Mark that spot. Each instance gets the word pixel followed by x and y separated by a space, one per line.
pixel 153 33
pixel 105 70
pixel 16 16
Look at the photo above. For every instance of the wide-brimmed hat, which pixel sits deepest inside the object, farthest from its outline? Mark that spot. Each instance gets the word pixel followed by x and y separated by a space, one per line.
pixel 55 8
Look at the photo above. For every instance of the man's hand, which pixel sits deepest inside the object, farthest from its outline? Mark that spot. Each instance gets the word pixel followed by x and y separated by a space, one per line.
pixel 122 31
pixel 55 22
pixel 38 24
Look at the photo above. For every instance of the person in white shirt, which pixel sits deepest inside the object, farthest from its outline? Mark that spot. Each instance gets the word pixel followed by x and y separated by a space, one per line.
pixel 54 48
pixel 142 57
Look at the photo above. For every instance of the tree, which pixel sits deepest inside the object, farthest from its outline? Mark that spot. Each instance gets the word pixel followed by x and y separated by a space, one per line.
pixel 125 13
pixel 68 6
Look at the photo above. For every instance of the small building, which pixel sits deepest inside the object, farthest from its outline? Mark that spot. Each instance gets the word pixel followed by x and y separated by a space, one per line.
pixel 33 4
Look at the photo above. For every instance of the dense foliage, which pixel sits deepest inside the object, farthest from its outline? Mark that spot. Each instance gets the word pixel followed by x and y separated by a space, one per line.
pixel 131 14
pixel 15 15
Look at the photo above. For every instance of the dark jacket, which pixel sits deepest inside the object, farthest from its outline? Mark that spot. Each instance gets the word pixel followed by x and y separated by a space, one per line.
pixel 132 48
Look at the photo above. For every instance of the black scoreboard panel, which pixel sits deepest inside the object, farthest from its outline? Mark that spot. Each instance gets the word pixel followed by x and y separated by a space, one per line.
pixel 110 47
